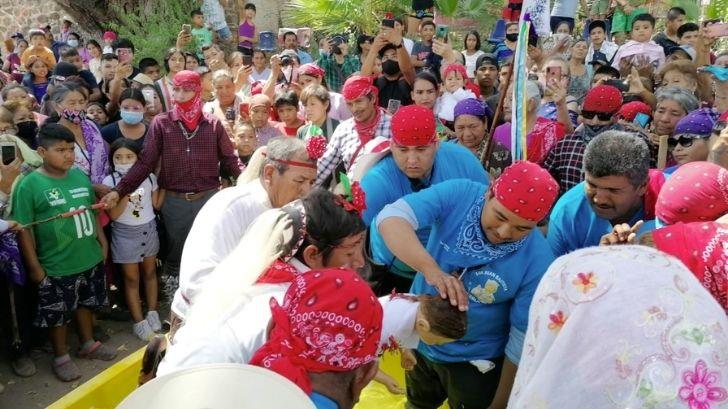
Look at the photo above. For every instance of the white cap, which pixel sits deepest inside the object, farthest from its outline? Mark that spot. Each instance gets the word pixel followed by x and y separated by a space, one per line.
pixel 219 386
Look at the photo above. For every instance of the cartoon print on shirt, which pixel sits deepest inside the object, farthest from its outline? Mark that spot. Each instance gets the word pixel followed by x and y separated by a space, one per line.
pixel 135 200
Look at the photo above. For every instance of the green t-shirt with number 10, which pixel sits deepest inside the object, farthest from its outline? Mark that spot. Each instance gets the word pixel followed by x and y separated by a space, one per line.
pixel 65 246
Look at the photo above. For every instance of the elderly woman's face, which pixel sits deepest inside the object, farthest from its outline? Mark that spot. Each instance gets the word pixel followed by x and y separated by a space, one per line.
pixel 666 116
pixel 470 131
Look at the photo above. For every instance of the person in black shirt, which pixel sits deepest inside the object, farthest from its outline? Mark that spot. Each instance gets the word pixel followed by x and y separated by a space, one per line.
pixel 398 74
pixel 669 37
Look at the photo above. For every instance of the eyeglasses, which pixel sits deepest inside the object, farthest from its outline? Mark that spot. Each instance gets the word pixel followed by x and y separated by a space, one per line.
pixel 683 141
pixel 602 116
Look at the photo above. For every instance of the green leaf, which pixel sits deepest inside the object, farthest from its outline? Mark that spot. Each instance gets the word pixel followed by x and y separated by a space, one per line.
pixel 447 7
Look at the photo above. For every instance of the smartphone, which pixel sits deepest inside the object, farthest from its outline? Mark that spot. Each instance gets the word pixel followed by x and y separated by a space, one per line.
pixel 619 84
pixel 441 32
pixel 8 151
pixel 642 119
pixel 187 28
pixel 388 22
pixel 245 111
pixel 247 60
pixel 393 106
pixel 717 30
pixel 148 96
pixel 230 114
pixel 553 74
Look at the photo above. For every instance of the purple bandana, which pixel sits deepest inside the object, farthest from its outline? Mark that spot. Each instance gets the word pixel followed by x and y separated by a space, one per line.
pixel 474 107
pixel 699 123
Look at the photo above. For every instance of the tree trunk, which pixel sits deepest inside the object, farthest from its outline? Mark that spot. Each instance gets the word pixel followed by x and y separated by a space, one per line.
pixel 95 15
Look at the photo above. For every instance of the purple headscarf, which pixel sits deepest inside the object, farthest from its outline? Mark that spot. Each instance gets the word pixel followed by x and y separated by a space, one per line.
pixel 698 123
pixel 474 107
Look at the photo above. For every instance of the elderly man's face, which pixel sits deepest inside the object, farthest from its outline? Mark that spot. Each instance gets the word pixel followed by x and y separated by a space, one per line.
pixel 294 183
pixel 613 198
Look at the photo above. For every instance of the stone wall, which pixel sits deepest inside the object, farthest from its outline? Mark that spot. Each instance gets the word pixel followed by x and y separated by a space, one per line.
pixel 23 15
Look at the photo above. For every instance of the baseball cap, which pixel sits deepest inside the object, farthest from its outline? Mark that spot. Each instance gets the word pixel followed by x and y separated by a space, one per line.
pixel 487 58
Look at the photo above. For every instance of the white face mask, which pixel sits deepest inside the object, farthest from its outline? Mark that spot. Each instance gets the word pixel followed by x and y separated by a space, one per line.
pixel 123 169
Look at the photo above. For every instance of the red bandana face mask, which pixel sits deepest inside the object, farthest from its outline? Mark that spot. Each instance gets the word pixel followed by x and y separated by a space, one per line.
pixel 189 112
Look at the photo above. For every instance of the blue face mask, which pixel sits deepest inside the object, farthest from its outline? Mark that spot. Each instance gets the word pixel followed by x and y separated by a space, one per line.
pixel 72 43
pixel 132 118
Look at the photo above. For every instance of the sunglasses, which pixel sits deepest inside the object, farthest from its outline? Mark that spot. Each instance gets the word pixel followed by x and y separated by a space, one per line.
pixel 683 141
pixel 602 116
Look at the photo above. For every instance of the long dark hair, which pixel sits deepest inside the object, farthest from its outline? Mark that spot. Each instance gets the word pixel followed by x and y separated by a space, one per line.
pixel 327 223
pixel 477 40
pixel 123 143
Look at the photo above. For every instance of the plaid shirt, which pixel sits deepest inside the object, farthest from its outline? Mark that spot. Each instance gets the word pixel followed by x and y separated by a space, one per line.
pixel 337 73
pixel 564 161
pixel 344 143
pixel 188 165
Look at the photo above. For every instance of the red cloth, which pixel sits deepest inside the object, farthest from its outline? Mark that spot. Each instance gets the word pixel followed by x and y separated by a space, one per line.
pixel 697 191
pixel 330 321
pixel 279 272
pixel 703 248
pixel 358 86
pixel 603 98
pixel 527 190
pixel 312 70
pixel 655 183
pixel 455 68
pixel 413 125
pixel 544 135
pixel 367 130
pixel 189 112
pixel 630 110
pixel 723 117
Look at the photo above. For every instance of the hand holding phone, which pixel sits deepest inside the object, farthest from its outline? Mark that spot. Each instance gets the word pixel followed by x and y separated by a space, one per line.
pixel 553 75
pixel 642 120
pixel 441 32
pixel 187 28
pixel 247 60
pixel 8 151
pixel 717 30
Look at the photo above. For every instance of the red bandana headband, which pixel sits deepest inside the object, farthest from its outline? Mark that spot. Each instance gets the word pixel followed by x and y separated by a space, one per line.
pixel 413 125
pixel 459 68
pixel 330 321
pixel 315 148
pixel 527 190
pixel 311 70
pixel 358 86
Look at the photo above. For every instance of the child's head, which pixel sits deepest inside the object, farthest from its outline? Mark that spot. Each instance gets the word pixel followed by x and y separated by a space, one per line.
pixel 56 146
pixel 286 105
pixel 7 125
pixel 198 18
pixel 249 11
pixel 642 28
pixel 39 69
pixel 259 59
pixel 192 63
pixel 96 112
pixel 109 62
pixel 455 76
pixel 472 41
pixel 150 67
pixel 16 92
pixel 71 55
pixel 37 38
pixel 124 153
pixel 427 30
pixel 687 34
pixel 109 37
pixel 245 141
pixel 438 322
pixel 235 61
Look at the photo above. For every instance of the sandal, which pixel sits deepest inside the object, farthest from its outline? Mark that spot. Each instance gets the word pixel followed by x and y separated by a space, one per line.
pixel 97 350
pixel 66 371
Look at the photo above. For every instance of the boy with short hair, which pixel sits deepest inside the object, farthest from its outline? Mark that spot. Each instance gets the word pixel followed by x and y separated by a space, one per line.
pixel 71 55
pixel 151 68
pixel 247 32
pixel 64 253
pixel 39 48
pixel 688 33
pixel 641 44
pixel 201 34
pixel 422 49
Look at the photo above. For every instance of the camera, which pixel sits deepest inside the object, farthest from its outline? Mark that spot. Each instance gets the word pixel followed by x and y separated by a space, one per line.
pixel 285 61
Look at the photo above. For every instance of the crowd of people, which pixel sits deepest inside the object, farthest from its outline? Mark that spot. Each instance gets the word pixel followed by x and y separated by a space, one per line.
pixel 307 211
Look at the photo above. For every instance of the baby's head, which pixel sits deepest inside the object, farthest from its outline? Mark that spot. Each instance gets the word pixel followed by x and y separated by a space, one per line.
pixel 642 28
pixel 455 76
pixel 438 322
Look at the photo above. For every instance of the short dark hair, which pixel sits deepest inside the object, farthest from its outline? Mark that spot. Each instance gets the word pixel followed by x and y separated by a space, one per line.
pixel 444 319
pixel 171 52
pixel 286 98
pixel 122 43
pixel 429 77
pixel 618 153
pixel 259 51
pixel 196 12
pixel 608 70
pixel 119 143
pixel 289 33
pixel 68 52
pixel 686 28
pixel 109 57
pixel 51 133
pixel 477 40
pixel 132 93
pixel 147 62
pixel 427 23
pixel 645 17
pixel 250 6
pixel 387 47
pixel 675 12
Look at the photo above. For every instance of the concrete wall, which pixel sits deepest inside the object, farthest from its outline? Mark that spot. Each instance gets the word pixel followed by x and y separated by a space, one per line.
pixel 22 15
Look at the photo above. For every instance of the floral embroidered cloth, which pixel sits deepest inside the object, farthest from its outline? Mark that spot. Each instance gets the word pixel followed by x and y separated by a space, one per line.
pixel 622 327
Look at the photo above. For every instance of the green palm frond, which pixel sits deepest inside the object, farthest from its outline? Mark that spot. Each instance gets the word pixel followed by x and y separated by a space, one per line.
pixel 339 16
pixel 717 9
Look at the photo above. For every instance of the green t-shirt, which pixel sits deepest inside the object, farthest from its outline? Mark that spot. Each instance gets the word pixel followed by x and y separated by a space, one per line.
pixel 64 246
pixel 203 37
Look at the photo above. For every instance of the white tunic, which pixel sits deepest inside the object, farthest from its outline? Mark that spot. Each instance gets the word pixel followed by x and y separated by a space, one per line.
pixel 217 229
pixel 398 324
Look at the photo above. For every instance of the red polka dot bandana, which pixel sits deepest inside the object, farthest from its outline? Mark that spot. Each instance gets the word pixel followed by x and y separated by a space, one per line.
pixel 358 86
pixel 603 98
pixel 527 190
pixel 413 125
pixel 630 110
pixel 311 70
pixel 697 191
pixel 330 321
pixel 455 68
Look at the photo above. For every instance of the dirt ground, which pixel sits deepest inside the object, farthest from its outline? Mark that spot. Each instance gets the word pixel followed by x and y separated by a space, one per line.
pixel 44 388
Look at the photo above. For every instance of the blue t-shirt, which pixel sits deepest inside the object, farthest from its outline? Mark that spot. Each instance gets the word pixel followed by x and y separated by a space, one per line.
pixel 323 401
pixel 385 183
pixel 573 224
pixel 500 279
